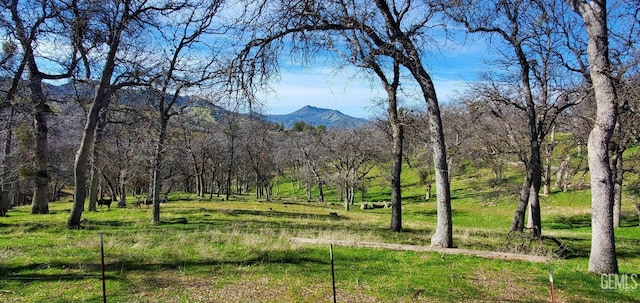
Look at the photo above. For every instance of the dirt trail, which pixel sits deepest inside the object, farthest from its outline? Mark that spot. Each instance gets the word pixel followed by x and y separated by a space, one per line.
pixel 453 251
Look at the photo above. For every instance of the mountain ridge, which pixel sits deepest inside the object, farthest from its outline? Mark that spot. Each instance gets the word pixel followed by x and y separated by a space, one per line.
pixel 316 116
pixel 312 115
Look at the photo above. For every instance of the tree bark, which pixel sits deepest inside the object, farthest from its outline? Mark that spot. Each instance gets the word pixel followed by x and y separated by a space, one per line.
pixel 518 219
pixel 638 211
pixel 230 167
pixel 40 199
pixel 443 236
pixel 549 147
pixel 157 162
pixel 563 174
pixel 123 189
pixel 617 148
pixel 602 259
pixel 396 171
pixel 347 194
pixel 320 191
pixel 94 178
pixel 40 202
pixel 534 196
pixel 5 181
pixel 617 173
pixel 80 170
pixel 94 184
pixel 397 134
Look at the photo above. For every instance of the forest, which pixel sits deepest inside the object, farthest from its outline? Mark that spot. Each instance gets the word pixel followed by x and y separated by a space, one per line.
pixel 127 101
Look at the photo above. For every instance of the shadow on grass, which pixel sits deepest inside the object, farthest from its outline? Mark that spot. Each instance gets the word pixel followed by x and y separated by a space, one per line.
pixel 627 219
pixel 434 213
pixel 330 216
pixel 118 264
pixel 575 247
pixel 569 222
pixel 51 271
pixel 288 215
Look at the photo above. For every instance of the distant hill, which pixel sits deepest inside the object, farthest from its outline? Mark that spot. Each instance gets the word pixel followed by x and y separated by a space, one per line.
pixel 316 116
pixel 311 115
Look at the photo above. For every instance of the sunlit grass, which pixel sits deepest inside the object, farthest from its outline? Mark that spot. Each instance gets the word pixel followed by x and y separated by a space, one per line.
pixel 211 250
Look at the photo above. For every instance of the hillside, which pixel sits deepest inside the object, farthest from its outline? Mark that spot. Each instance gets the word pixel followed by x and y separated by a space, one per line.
pixel 316 116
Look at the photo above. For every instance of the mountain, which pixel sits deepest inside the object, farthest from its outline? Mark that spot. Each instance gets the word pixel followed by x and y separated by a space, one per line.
pixel 316 116
pixel 311 115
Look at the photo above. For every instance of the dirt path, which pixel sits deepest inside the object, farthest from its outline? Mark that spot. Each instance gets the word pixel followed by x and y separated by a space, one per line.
pixel 453 251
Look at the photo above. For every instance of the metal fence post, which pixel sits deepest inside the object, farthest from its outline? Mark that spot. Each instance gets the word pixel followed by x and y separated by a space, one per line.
pixel 333 275
pixel 104 285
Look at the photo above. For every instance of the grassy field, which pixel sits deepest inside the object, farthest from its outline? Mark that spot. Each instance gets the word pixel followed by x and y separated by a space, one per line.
pixel 240 251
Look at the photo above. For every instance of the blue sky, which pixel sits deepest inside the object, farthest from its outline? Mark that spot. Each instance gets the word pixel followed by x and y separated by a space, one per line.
pixel 353 93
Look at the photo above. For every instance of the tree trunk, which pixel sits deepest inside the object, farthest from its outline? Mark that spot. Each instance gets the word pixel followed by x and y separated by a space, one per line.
pixel 157 165
pixel 40 202
pixel 95 172
pixel 5 181
pixel 80 166
pixel 563 174
pixel 112 187
pixel 229 169
pixel 320 191
pixel 396 171
pixel 549 147
pixel 40 199
pixel 123 189
pixel 529 222
pixel 618 178
pixel 602 259
pixel 638 210
pixel 443 236
pixel 534 196
pixel 346 195
pixel 258 188
pixel 518 219
pixel 617 173
pixel 427 192
pixel 94 186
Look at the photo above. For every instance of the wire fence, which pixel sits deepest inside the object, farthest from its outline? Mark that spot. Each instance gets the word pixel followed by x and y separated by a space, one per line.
pixel 349 280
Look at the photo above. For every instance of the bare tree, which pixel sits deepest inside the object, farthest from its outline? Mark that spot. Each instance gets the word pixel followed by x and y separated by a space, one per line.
pixel 13 67
pixel 395 31
pixel 312 153
pixel 117 44
pixel 352 156
pixel 178 72
pixel 603 258
pixel 95 171
pixel 41 20
pixel 528 29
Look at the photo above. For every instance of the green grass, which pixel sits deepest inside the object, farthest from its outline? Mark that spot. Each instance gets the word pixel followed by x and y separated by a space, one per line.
pixel 240 251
